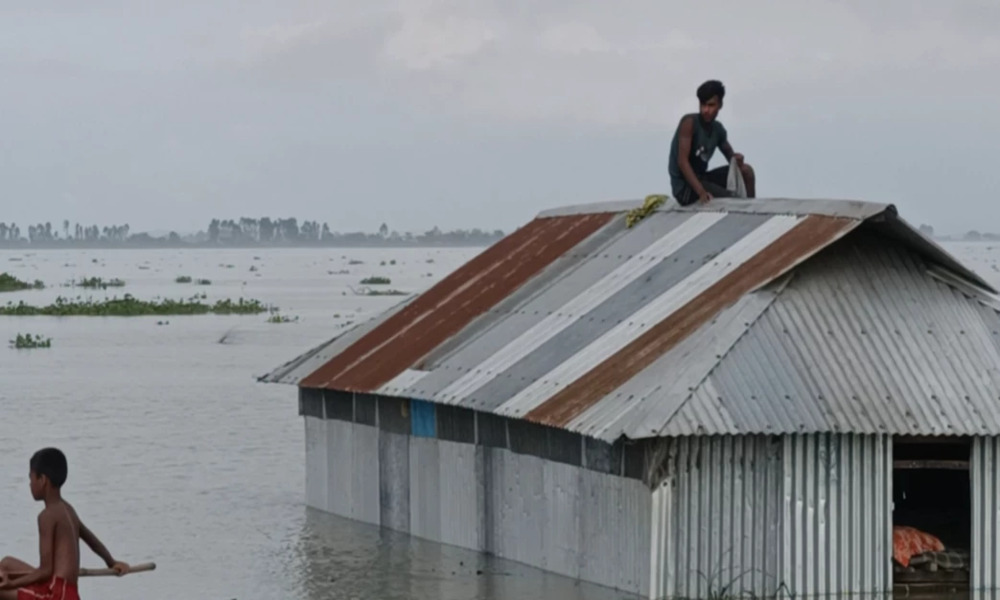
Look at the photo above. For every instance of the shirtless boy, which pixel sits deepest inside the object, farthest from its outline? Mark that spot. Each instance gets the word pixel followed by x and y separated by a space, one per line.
pixel 60 531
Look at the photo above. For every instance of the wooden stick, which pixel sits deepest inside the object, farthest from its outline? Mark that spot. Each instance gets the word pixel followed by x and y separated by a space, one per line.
pixel 139 568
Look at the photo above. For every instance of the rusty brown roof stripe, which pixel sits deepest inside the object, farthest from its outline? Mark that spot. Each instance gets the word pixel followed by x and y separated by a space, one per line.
pixel 812 234
pixel 448 307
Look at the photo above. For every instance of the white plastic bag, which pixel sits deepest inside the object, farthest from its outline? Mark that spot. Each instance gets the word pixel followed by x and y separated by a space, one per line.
pixel 734 182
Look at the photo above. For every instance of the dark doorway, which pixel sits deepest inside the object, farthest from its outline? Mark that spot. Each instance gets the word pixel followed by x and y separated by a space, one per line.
pixel 931 493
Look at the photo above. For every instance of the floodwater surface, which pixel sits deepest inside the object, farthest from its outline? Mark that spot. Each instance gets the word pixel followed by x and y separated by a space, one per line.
pixel 177 455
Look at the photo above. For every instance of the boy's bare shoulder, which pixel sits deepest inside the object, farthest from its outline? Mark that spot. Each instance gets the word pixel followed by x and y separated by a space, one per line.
pixel 61 512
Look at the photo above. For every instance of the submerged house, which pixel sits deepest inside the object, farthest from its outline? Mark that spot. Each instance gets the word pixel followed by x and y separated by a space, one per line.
pixel 742 398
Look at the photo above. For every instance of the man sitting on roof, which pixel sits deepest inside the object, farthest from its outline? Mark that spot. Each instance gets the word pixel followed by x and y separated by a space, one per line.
pixel 694 143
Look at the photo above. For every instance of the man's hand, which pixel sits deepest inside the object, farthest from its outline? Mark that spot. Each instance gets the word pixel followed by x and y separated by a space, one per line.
pixel 4 580
pixel 739 158
pixel 120 568
pixel 704 197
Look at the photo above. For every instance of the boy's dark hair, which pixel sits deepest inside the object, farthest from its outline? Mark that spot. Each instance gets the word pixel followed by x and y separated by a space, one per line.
pixel 50 462
pixel 709 89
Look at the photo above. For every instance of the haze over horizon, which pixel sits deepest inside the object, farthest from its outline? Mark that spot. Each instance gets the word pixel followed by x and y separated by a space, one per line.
pixel 480 114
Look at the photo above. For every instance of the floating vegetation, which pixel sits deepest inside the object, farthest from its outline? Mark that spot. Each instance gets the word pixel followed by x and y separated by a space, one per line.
pixel 376 281
pixel 390 292
pixel 9 283
pixel 97 282
pixel 429 260
pixel 276 318
pixel 253 268
pixel 203 282
pixel 15 259
pixel 27 341
pixel 355 262
pixel 183 279
pixel 163 322
pixel 131 307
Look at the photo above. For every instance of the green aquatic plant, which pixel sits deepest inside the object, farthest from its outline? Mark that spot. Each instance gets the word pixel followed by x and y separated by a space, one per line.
pixel 9 283
pixel 371 292
pixel 97 282
pixel 376 281
pixel 203 282
pixel 276 318
pixel 28 341
pixel 183 279
pixel 133 307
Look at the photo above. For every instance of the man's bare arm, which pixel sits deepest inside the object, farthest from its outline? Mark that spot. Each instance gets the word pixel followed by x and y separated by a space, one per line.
pixel 46 550
pixel 683 152
pixel 95 544
pixel 727 150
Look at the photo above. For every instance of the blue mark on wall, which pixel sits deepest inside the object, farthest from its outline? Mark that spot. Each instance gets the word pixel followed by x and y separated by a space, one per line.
pixel 423 419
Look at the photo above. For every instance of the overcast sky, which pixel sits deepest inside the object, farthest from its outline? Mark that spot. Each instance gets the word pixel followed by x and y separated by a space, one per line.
pixel 471 113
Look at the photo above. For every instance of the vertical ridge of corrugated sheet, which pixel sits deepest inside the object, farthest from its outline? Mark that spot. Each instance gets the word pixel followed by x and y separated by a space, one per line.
pixel 985 555
pixel 763 516
pixel 717 519
pixel 863 339
pixel 837 515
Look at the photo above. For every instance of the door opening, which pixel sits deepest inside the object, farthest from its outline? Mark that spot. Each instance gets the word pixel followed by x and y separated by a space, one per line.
pixel 931 515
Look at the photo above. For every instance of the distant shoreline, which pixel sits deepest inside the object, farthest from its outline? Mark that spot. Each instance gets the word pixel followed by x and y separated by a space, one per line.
pixel 185 246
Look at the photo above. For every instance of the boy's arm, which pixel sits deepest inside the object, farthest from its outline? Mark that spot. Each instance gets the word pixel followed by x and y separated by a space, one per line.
pixel 727 151
pixel 95 544
pixel 46 542
pixel 683 152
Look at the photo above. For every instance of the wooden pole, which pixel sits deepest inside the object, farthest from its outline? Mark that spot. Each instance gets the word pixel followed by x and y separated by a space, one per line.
pixel 139 568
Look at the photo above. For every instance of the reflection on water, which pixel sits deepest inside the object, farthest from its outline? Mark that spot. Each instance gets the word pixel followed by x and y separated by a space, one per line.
pixel 351 560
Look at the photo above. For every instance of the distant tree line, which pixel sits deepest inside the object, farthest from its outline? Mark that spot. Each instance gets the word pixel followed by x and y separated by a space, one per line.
pixel 239 232
pixel 969 236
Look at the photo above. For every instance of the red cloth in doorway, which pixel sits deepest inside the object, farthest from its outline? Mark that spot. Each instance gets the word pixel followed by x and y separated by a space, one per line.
pixel 908 542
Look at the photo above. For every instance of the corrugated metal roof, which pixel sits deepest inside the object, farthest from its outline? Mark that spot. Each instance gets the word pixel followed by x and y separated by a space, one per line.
pixel 862 340
pixel 665 328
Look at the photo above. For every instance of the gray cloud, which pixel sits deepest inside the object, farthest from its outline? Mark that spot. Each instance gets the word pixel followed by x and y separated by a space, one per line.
pixel 481 112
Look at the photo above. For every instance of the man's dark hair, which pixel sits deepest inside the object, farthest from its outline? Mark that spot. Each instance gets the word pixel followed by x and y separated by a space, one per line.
pixel 709 89
pixel 50 462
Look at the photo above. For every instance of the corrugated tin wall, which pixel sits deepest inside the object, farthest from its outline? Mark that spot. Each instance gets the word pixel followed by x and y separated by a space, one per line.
pixel 985 516
pixel 837 515
pixel 752 516
pixel 562 518
pixel 716 518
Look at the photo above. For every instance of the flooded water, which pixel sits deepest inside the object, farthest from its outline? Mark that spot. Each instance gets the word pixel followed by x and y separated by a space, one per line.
pixel 178 456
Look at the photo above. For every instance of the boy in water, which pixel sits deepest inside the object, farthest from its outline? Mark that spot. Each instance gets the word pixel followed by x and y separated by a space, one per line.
pixel 60 531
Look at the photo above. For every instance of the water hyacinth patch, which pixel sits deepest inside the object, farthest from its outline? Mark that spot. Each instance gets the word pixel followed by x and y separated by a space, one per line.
pixel 97 282
pixel 28 341
pixel 130 306
pixel 376 281
pixel 9 283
